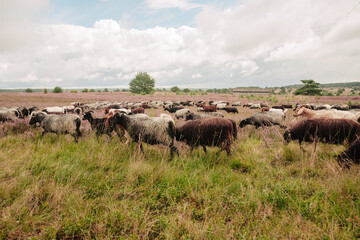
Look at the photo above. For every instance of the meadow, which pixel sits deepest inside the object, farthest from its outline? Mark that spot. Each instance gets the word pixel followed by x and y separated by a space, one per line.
pixel 54 188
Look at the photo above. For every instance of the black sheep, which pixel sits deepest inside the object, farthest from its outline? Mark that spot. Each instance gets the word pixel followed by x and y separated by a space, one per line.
pixel 231 109
pixel 99 125
pixel 208 132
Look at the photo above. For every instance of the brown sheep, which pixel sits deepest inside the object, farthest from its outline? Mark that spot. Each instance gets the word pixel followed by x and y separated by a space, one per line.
pixel 208 132
pixel 325 130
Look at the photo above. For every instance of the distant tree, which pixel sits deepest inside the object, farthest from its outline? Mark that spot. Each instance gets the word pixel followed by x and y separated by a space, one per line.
pixel 45 90
pixel 106 90
pixel 117 90
pixel 143 83
pixel 310 88
pixel 92 90
pixel 28 90
pixel 57 90
pixel 175 89
pixel 186 90
pixel 85 90
pixel 282 90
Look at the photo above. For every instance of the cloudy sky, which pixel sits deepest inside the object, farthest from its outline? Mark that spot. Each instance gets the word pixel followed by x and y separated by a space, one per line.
pixel 188 43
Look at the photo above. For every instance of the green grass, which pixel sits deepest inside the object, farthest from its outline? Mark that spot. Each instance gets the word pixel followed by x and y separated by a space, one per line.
pixel 53 188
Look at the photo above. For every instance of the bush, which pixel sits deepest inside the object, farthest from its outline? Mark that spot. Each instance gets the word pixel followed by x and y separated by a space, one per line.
pixel 92 90
pixel 106 90
pixel 28 90
pixel 175 89
pixel 45 90
pixel 57 90
pixel 85 90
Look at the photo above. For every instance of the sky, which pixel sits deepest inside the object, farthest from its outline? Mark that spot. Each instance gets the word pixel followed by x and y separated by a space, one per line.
pixel 185 43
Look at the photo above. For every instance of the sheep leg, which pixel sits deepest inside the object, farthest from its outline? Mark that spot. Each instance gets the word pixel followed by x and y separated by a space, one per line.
pixel 228 151
pixel 97 136
pixel 141 147
pixel 172 150
pixel 315 144
pixel 43 133
pixel 301 147
pixel 78 132
pixel 204 148
pixel 75 137
pixel 108 133
pixel 191 148
pixel 117 132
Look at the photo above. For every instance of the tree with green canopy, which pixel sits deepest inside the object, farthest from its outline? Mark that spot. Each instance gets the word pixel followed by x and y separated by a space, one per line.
pixel 143 83
pixel 310 88
pixel 175 89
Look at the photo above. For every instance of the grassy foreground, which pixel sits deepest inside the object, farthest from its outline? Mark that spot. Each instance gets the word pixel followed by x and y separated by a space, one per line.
pixel 53 188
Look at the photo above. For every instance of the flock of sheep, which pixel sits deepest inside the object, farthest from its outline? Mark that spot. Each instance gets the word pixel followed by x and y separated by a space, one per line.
pixel 337 124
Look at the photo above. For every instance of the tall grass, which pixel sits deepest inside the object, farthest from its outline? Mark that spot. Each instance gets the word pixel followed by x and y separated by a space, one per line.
pixel 51 187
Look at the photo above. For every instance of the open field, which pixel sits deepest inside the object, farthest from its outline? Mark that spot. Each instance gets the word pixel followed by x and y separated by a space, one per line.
pixel 53 188
pixel 59 99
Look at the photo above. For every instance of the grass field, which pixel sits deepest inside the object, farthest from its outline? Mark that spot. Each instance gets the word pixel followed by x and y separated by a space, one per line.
pixel 53 188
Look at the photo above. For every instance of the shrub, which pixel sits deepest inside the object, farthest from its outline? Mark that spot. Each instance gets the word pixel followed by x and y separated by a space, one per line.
pixel 57 90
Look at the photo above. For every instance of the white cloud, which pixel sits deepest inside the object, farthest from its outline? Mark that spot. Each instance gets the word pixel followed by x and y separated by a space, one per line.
pixel 181 4
pixel 198 75
pixel 254 43
pixel 15 27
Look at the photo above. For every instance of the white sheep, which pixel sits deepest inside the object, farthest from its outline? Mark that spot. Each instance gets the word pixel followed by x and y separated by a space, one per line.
pixel 57 123
pixel 181 113
pixel 154 130
pixel 308 113
pixel 55 110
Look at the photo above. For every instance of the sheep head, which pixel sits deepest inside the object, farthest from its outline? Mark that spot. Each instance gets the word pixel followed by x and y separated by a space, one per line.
pixel 243 123
pixel 189 116
pixel 87 116
pixel 287 136
pixel 298 111
pixel 37 117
